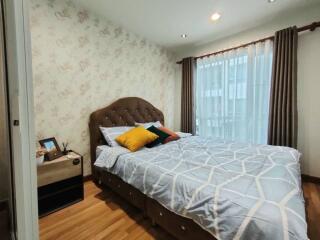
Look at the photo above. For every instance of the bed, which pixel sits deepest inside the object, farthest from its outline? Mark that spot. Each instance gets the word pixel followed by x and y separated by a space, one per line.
pixel 201 188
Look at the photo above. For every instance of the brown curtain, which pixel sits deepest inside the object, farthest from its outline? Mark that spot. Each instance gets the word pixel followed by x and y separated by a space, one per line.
pixel 188 71
pixel 283 98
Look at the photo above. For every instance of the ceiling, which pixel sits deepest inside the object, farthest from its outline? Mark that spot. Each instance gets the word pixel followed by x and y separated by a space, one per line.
pixel 163 21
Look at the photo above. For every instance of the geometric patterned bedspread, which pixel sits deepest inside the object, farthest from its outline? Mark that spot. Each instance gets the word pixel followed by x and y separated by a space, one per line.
pixel 232 190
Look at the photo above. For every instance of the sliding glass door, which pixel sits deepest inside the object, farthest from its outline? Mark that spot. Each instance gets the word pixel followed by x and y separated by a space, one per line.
pixel 6 197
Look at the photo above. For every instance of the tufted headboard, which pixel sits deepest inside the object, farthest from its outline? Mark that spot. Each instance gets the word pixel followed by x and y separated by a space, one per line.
pixel 123 112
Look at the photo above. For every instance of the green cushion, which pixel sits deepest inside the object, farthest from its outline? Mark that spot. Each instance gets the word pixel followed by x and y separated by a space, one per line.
pixel 162 136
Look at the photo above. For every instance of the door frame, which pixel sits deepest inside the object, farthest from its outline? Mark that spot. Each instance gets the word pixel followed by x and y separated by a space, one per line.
pixel 20 87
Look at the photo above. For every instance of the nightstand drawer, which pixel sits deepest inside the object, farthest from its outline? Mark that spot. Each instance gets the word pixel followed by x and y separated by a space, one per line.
pixel 65 168
pixel 57 195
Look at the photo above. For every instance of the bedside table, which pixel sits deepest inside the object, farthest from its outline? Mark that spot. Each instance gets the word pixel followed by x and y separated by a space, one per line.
pixel 60 183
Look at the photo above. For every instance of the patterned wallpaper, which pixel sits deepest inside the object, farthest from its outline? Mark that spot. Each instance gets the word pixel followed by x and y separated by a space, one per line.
pixel 82 62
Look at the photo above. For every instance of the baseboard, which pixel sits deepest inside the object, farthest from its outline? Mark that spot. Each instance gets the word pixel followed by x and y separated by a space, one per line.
pixel 307 178
pixel 87 178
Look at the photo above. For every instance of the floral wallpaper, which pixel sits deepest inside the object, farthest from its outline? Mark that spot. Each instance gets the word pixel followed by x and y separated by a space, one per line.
pixel 82 62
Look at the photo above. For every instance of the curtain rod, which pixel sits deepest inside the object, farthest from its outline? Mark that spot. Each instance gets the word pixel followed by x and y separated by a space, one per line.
pixel 310 27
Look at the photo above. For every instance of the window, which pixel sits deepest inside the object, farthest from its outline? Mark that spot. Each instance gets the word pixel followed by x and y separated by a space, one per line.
pixel 232 94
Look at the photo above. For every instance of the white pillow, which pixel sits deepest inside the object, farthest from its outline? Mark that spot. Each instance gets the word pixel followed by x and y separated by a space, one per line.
pixel 149 124
pixel 183 134
pixel 110 134
pixel 100 149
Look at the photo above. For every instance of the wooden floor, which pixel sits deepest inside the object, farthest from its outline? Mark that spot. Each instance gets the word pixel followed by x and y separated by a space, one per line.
pixel 312 196
pixel 104 215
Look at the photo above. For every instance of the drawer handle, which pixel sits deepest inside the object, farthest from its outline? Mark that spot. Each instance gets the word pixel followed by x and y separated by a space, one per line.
pixel 76 161
pixel 161 214
pixel 130 193
pixel 183 228
pixel 119 186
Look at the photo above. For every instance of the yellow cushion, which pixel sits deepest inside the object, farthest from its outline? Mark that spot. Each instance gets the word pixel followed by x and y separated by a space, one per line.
pixel 136 138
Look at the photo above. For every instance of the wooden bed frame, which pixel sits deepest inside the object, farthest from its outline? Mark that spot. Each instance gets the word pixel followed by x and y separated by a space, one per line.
pixel 125 112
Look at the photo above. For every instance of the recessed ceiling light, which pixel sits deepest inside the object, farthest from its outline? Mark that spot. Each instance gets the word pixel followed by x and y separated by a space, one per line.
pixel 271 1
pixel 184 35
pixel 215 17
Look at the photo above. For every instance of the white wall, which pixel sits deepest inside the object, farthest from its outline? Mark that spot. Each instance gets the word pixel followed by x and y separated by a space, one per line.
pixel 308 102
pixel 308 77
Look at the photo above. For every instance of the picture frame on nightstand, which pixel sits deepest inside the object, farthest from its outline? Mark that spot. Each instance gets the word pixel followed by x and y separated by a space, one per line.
pixel 52 148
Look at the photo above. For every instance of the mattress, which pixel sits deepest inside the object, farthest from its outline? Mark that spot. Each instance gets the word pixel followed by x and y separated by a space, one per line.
pixel 232 190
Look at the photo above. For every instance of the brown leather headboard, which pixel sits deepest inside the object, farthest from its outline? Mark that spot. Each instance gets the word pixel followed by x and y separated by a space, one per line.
pixel 123 112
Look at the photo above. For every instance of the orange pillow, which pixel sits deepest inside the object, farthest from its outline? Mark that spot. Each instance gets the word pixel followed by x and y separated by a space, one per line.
pixel 173 136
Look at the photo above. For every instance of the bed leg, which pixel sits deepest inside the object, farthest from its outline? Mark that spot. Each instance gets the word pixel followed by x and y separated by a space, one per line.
pixel 97 181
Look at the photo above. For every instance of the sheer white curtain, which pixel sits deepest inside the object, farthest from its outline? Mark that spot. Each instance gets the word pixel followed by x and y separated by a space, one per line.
pixel 232 93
